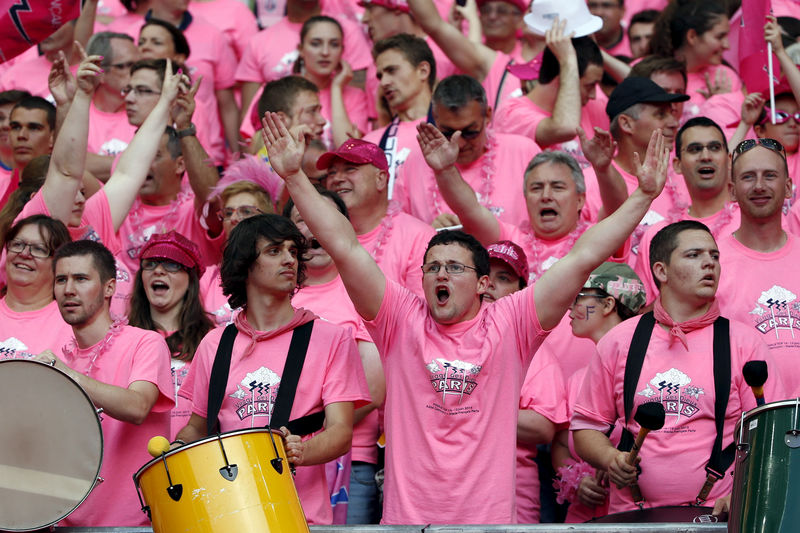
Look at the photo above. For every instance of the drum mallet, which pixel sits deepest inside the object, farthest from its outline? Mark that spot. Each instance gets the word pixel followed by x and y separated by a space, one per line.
pixel 755 375
pixel 650 416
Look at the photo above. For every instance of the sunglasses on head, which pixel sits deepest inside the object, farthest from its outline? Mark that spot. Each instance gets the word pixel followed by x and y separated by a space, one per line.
pixel 748 144
pixel 781 116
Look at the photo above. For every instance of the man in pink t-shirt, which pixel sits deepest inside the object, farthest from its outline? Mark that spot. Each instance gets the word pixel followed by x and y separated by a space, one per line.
pixel 32 123
pixel 124 371
pixel 263 265
pixel 677 372
pixel 612 36
pixel 358 172
pixel 453 366
pixel 701 158
pixel 492 163
pixel 759 284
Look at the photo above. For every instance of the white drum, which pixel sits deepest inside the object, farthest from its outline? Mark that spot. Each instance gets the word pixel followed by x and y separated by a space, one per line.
pixel 51 445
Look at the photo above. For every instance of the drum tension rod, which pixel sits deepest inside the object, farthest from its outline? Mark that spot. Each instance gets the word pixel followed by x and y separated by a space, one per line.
pixel 228 471
pixel 276 463
pixel 792 438
pixel 175 491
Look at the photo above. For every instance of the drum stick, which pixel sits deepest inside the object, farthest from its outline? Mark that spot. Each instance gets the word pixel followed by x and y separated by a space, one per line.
pixel 755 375
pixel 157 446
pixel 650 416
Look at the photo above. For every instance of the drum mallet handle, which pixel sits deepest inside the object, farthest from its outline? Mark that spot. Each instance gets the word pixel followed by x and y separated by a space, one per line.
pixel 650 416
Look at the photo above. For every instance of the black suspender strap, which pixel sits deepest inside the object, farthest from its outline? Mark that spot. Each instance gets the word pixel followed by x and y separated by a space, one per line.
pixel 720 459
pixel 636 354
pixel 219 378
pixel 291 376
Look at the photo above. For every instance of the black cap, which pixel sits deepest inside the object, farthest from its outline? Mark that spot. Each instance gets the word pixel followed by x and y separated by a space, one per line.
pixel 636 90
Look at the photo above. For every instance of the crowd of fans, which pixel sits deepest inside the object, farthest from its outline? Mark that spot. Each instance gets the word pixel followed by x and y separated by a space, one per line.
pixel 484 219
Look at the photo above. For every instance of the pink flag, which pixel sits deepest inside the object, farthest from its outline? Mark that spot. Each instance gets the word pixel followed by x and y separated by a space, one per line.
pixel 24 23
pixel 753 47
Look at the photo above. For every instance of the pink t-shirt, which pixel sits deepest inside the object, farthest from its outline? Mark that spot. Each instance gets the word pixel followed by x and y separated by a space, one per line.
pixel 233 17
pixel 28 74
pixel 496 177
pixel 634 6
pixel 792 220
pixel 542 391
pixel 761 290
pixel 182 408
pixel 213 59
pixel 452 394
pixel 332 373
pixel 109 133
pixel 134 355
pixel 96 222
pixel 721 224
pixel 26 334
pixel 398 245
pixel 521 116
pixel 398 146
pixel 541 253
pixel 725 109
pixel 574 353
pixel 271 54
pixel 696 81
pixel 623 47
pixel 332 303
pixel 683 381
pixel 497 95
pixel 145 220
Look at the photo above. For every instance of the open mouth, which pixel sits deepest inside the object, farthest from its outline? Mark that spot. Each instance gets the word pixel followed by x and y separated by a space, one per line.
pixel 706 171
pixel 159 288
pixel 314 244
pixel 548 214
pixel 442 295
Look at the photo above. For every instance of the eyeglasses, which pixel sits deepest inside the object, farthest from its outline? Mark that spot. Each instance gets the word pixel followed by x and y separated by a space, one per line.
pixel 37 250
pixel 467 135
pixel 450 268
pixel 748 144
pixel 244 211
pixel 586 295
pixel 139 90
pixel 714 147
pixel 169 266
pixel 781 116
pixel 500 11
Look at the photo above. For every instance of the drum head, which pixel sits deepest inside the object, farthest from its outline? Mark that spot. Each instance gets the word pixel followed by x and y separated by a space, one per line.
pixel 51 445
pixel 676 513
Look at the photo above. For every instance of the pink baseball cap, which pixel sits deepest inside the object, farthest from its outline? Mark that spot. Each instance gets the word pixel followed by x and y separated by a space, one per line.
pixel 356 151
pixel 175 247
pixel 512 254
pixel 521 4
pixel 399 5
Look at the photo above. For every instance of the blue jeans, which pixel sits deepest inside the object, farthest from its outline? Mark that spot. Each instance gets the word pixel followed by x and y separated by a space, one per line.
pixel 363 507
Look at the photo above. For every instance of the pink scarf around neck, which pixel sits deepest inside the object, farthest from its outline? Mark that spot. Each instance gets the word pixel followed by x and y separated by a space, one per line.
pixel 678 330
pixel 301 316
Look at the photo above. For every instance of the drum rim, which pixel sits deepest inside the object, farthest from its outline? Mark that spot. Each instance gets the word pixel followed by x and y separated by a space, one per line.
pixel 769 406
pixel 99 432
pixel 204 440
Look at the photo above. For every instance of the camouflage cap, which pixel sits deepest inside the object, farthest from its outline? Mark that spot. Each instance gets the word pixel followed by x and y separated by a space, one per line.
pixel 620 281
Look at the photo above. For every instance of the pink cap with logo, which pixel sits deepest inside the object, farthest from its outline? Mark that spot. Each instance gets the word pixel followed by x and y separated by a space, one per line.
pixel 356 151
pixel 399 5
pixel 512 254
pixel 174 247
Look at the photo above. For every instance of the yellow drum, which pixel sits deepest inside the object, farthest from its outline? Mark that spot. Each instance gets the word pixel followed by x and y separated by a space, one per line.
pixel 234 482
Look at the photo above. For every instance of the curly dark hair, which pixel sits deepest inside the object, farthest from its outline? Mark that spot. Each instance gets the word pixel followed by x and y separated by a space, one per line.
pixel 241 252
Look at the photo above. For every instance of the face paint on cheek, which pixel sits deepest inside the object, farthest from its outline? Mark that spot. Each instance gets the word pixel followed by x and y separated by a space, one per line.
pixel 589 311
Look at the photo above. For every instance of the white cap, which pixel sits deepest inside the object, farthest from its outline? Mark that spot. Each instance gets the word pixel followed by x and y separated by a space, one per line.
pixel 575 12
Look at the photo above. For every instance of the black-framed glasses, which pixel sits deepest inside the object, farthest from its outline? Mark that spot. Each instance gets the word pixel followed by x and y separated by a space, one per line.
pixel 169 266
pixel 467 135
pixel 587 295
pixel 18 246
pixel 713 147
pixel 139 90
pixel 450 268
pixel 781 116
pixel 748 144
pixel 244 211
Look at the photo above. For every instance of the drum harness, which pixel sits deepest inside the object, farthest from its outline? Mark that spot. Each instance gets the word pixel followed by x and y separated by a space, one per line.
pixel 720 459
pixel 298 347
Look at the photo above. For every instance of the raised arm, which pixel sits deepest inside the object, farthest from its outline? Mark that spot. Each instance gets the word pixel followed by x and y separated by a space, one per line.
pixel 772 34
pixel 441 154
pixel 134 162
pixel 566 117
pixel 65 173
pixel 556 289
pixel 363 279
pixel 471 58
pixel 600 150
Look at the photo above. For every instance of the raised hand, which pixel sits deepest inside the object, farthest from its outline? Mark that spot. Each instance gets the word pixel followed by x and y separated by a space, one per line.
pixel 720 85
pixel 60 81
pixel 652 174
pixel 558 42
pixel 439 153
pixel 173 83
pixel 445 220
pixel 184 105
pixel 285 148
pixel 600 149
pixel 344 75
pixel 772 34
pixel 89 71
pixel 751 108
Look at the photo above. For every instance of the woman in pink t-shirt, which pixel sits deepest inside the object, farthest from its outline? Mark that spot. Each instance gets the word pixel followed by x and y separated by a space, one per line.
pixel 697 34
pixel 166 299
pixel 612 293
pixel 320 61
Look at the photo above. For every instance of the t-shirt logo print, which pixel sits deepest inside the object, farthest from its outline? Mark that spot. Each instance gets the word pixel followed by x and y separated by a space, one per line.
pixel 255 395
pixel 672 388
pixel 13 348
pixel 453 378
pixel 776 310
